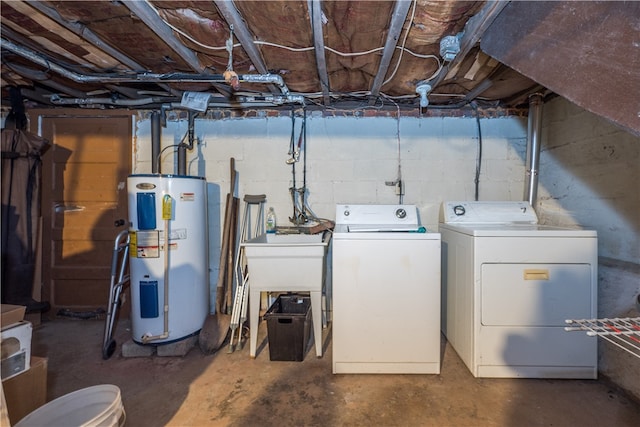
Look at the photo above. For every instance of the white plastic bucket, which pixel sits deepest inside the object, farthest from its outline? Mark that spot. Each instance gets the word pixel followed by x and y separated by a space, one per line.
pixel 97 406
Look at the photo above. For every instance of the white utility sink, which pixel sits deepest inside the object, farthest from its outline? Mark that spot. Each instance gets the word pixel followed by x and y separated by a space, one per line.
pixel 286 263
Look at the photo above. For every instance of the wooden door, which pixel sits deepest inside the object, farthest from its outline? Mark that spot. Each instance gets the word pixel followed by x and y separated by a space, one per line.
pixel 84 205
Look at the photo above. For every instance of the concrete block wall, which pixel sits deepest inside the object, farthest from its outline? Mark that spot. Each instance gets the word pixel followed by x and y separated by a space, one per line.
pixel 589 171
pixel 589 175
pixel 350 159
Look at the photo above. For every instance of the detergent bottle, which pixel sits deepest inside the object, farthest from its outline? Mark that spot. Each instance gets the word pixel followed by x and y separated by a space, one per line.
pixel 271 221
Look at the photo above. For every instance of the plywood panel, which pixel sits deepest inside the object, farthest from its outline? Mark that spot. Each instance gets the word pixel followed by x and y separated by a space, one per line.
pixel 89 161
pixel 95 293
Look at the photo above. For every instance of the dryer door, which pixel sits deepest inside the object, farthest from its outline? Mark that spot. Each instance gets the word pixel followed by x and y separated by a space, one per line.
pixel 535 294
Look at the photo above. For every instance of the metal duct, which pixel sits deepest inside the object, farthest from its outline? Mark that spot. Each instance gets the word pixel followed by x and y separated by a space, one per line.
pixel 534 129
pixel 156 132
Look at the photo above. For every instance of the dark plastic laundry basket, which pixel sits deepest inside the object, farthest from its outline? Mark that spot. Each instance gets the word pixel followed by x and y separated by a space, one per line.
pixel 288 327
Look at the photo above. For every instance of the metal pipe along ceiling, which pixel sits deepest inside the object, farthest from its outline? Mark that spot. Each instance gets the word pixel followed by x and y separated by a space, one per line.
pixel 139 77
pixel 239 102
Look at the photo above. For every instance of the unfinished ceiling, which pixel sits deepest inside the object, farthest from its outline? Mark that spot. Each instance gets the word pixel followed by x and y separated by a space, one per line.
pixel 199 54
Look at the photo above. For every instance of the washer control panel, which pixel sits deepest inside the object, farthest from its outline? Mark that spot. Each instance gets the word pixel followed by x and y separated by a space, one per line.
pixel 377 214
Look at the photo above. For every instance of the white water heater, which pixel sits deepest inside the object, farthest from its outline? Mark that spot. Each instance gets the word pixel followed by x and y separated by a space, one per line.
pixel 169 272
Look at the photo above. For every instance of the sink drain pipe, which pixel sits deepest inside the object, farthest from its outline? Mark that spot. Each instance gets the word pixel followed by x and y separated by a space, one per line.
pixel 534 129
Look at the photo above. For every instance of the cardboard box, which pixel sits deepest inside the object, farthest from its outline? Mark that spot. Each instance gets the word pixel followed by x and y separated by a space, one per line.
pixel 27 391
pixel 15 349
pixel 11 314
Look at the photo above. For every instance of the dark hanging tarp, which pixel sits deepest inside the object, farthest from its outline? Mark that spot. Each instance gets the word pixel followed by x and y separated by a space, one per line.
pixel 21 181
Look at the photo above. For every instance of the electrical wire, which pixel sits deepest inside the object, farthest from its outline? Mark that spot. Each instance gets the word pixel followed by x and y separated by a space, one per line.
pixel 479 157
pixel 292 49
pixel 304 154
pixel 307 212
pixel 159 159
pixel 304 49
pixel 309 48
pixel 399 182
pixel 229 46
pixel 292 148
pixel 364 104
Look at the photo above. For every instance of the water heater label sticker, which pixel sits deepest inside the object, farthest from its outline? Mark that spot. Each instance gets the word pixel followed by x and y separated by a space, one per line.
pixel 178 234
pixel 133 243
pixel 187 197
pixel 148 244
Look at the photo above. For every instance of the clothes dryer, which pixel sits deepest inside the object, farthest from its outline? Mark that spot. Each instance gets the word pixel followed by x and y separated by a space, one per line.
pixel 509 284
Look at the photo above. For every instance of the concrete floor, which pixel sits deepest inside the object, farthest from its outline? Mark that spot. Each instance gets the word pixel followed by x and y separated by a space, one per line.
pixel 233 390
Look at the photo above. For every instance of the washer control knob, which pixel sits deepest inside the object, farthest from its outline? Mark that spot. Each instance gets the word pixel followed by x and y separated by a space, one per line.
pixel 346 212
pixel 401 213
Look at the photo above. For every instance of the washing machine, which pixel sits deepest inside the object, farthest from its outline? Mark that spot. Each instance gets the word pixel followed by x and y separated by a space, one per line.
pixel 386 291
pixel 509 284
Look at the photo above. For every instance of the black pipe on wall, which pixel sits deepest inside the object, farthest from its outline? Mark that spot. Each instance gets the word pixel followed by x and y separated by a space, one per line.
pixel 182 147
pixel 156 132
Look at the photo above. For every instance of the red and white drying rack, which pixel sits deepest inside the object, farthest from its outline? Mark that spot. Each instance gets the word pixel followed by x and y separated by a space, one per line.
pixel 622 332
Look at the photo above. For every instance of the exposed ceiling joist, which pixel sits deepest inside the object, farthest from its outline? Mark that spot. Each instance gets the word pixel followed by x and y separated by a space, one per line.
pixel 84 32
pixel 240 30
pixel 316 16
pixel 147 14
pixel 325 54
pixel 398 17
pixel 192 34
